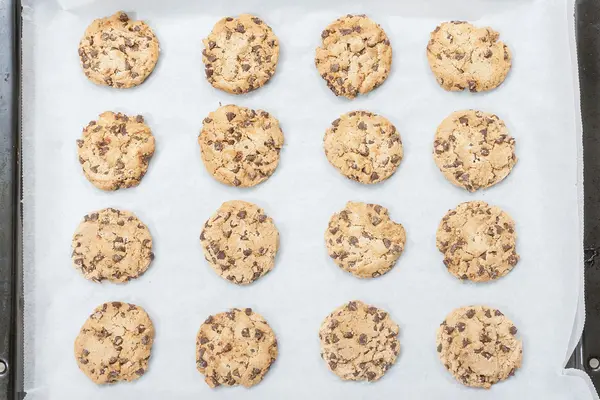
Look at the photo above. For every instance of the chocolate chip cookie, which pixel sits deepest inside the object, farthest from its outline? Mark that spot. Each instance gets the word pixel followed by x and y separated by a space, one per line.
pixel 240 54
pixel 113 245
pixel 114 344
pixel 363 146
pixel 463 56
pixel 478 242
pixel 235 348
pixel 363 240
pixel 240 146
pixel 359 342
pixel 114 151
pixel 355 56
pixel 240 242
pixel 117 51
pixel 474 150
pixel 479 346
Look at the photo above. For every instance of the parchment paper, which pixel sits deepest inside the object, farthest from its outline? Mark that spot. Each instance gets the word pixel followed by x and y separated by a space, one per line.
pixel 538 101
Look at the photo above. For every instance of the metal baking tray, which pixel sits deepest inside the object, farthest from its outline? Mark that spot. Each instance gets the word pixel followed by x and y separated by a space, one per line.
pixel 587 16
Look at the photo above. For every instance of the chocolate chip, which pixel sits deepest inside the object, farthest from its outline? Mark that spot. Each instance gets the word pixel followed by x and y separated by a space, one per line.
pixel 513 330
pixel 123 17
pixel 470 313
pixel 461 326
pixel 472 85
pixel 362 339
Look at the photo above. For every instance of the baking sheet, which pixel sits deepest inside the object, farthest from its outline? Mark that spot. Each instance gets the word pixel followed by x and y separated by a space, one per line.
pixel 538 101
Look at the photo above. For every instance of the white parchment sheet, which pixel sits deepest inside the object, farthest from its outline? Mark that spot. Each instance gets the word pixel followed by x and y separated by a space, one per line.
pixel 538 101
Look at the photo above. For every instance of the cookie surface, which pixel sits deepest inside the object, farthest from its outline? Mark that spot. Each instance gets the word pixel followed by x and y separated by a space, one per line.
pixel 363 146
pixel 363 240
pixel 240 146
pixel 478 345
pixel 115 343
pixel 474 150
pixel 240 242
pixel 359 342
pixel 355 56
pixel 113 245
pixel 240 54
pixel 463 56
pixel 235 348
pixel 114 151
pixel 116 51
pixel 478 242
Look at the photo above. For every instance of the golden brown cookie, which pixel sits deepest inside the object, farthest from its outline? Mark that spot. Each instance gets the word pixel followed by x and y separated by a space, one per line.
pixel 359 342
pixel 235 348
pixel 478 345
pixel 113 245
pixel 363 240
pixel 115 343
pixel 478 242
pixel 117 51
pixel 474 150
pixel 355 56
pixel 240 54
pixel 463 56
pixel 240 146
pixel 240 242
pixel 363 146
pixel 114 151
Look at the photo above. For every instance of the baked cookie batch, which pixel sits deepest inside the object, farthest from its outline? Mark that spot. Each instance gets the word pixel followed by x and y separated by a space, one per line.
pixel 241 147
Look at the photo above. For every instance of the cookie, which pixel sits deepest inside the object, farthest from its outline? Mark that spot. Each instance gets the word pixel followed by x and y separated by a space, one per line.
pixel 363 240
pixel 474 150
pixel 478 242
pixel 235 348
pixel 359 342
pixel 113 245
pixel 114 151
pixel 117 51
pixel 355 56
pixel 115 343
pixel 240 146
pixel 240 242
pixel 240 54
pixel 363 146
pixel 478 345
pixel 463 56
